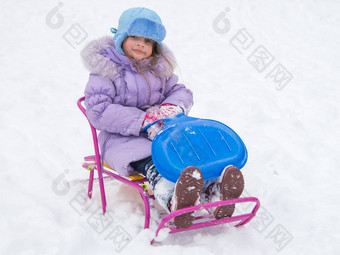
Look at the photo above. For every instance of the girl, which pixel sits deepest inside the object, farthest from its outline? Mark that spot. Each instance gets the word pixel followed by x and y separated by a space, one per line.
pixel 131 85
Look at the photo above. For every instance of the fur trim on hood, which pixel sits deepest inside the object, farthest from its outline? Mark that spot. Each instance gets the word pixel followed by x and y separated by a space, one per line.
pixel 96 63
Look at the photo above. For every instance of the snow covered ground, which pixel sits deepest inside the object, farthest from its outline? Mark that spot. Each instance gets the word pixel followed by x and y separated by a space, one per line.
pixel 285 107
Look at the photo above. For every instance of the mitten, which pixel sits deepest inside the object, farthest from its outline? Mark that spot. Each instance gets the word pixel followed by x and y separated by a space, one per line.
pixel 169 111
pixel 153 129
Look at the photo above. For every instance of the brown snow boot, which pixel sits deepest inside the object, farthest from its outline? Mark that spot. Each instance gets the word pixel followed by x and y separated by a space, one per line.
pixel 188 189
pixel 230 186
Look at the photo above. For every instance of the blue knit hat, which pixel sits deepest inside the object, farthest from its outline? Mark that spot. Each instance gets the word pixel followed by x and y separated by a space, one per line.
pixel 138 22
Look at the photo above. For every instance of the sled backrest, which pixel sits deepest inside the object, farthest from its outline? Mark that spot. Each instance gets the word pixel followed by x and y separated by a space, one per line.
pixel 94 133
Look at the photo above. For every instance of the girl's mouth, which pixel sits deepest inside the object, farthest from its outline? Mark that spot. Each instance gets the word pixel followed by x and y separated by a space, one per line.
pixel 137 51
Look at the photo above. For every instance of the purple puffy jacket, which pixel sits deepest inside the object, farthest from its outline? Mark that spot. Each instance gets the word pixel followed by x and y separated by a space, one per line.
pixel 117 96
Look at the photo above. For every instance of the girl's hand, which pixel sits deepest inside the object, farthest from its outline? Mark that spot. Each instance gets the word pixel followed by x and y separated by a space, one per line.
pixel 149 118
pixel 153 114
pixel 153 129
pixel 169 111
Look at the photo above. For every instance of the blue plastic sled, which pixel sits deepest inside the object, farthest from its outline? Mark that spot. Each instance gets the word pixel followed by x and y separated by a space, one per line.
pixel 187 141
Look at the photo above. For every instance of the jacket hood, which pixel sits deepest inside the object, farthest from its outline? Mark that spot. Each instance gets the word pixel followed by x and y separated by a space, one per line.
pixel 101 57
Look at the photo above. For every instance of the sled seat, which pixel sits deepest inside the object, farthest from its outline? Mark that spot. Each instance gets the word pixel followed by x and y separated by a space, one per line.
pixel 90 164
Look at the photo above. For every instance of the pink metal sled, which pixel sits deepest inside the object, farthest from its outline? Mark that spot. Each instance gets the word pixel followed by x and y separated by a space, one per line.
pixel 138 181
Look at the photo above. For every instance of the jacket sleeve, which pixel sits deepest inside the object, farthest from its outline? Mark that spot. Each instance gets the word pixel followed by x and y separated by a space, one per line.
pixel 104 114
pixel 178 94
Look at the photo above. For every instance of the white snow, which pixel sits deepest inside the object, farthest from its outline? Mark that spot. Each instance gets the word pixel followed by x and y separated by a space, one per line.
pixel 292 134
pixel 196 174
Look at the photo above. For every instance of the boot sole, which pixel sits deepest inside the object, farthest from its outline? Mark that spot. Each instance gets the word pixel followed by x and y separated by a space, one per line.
pixel 231 187
pixel 188 190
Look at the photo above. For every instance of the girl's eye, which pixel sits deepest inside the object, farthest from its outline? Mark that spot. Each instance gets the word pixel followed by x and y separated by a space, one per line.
pixel 148 41
pixel 139 38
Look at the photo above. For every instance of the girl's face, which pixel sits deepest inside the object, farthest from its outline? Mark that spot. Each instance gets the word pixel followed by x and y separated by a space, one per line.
pixel 138 47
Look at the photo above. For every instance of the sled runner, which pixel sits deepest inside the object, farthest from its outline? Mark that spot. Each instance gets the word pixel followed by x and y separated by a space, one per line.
pixel 202 147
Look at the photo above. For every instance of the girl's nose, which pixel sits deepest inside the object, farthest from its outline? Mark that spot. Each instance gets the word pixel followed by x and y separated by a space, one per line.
pixel 140 42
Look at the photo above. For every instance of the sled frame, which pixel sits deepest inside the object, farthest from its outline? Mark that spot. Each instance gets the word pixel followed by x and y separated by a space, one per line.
pixel 93 164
